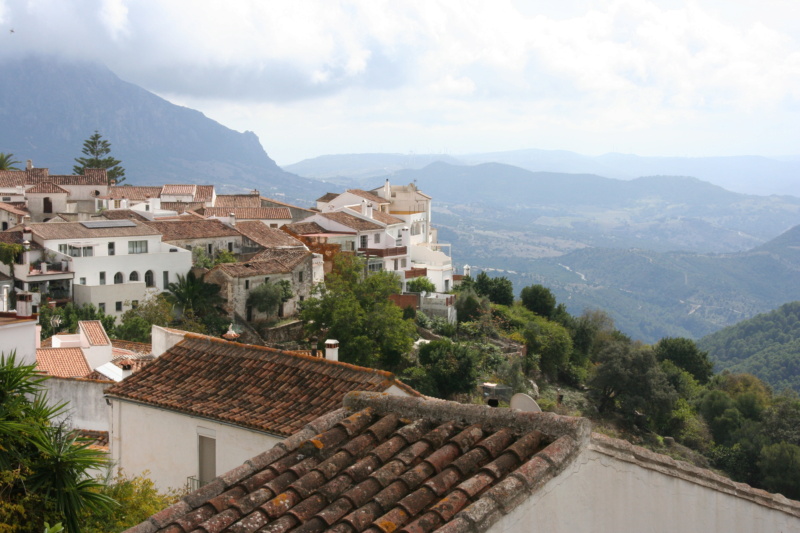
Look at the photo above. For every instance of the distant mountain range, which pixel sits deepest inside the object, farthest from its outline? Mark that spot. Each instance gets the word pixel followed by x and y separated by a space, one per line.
pixel 48 108
pixel 743 174
pixel 767 345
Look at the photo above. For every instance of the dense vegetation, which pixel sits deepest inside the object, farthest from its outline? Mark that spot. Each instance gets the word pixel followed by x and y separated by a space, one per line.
pixel 767 345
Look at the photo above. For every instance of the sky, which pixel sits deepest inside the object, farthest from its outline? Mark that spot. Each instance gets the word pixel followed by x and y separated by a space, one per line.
pixel 314 77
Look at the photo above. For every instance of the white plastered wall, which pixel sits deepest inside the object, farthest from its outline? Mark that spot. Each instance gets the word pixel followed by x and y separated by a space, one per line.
pixel 600 493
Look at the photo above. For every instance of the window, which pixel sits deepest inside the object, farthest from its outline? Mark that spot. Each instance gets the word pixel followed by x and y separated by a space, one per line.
pixel 210 248
pixel 118 306
pixel 82 281
pixel 398 242
pixel 147 207
pixel 116 204
pixel 148 279
pixel 300 276
pixel 102 278
pixel 135 304
pixel 230 247
pixel 102 306
pixel 63 249
pixel 249 310
pixel 246 284
pixel 375 267
pixel 377 238
pixel 363 241
pixel 207 458
pixel 302 298
pixel 273 226
pixel 5 226
pixel 111 250
pixel 134 276
pixel 47 205
pixel 266 280
pixel 137 247
pixel 6 198
pixel 402 263
pixel 166 278
pixel 395 264
pixel 118 278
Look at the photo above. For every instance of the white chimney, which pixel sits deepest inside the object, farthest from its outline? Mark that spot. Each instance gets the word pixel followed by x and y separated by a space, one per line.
pixel 25 304
pixel 369 210
pixel 27 234
pixel 404 236
pixel 467 270
pixel 124 203
pixel 43 267
pixel 29 165
pixel 332 350
pixel 127 368
pixel 233 219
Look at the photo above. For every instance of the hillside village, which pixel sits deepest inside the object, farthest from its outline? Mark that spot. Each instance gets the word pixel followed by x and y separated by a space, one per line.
pixel 267 430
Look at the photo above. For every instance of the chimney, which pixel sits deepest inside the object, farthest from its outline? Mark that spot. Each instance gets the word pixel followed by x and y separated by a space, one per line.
pixel 124 203
pixel 27 233
pixel 387 189
pixel 467 270
pixel 332 350
pixel 369 210
pixel 233 219
pixel 43 267
pixel 127 367
pixel 29 165
pixel 25 305
pixel 404 236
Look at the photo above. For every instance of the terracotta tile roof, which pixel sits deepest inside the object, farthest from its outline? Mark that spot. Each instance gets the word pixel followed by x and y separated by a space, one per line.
pixel 14 236
pixel 305 228
pixel 179 189
pixel 13 210
pixel 249 213
pixel 237 200
pixel 270 261
pixel 267 201
pixel 47 187
pixel 135 347
pixel 265 236
pixel 204 193
pixel 133 192
pixel 123 214
pixel 181 207
pixel 137 361
pixel 92 176
pixel 249 386
pixel 62 362
pixel 351 221
pixel 380 216
pixel 95 332
pixel 177 230
pixel 99 438
pixel 374 198
pixel 328 196
pixel 11 179
pixel 76 230
pixel 384 464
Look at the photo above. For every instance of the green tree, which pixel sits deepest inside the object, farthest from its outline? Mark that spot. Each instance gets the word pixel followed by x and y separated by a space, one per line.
pixel 452 367
pixel 686 355
pixel 539 299
pixel 355 310
pixel 96 152
pixel 9 253
pixel 65 319
pixel 470 306
pixel 136 323
pixel 195 299
pixel 420 285
pixel 550 343
pixel 498 290
pixel 7 162
pixel 780 469
pixel 268 296
pixel 44 466
pixel 630 380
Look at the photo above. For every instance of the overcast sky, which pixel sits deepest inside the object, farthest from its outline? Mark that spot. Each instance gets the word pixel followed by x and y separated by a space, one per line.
pixel 651 77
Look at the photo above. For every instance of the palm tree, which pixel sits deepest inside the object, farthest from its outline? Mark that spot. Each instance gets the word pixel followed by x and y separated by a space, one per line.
pixel 193 295
pixel 7 162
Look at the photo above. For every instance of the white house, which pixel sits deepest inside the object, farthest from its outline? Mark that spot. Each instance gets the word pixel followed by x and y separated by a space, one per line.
pixel 113 262
pixel 207 405
pixel 385 464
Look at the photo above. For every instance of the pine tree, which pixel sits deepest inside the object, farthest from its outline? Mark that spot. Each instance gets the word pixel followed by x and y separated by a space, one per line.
pixel 97 150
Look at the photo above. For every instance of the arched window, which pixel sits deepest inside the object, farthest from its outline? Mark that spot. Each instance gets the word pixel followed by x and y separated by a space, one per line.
pixel 134 276
pixel 148 279
pixel 118 278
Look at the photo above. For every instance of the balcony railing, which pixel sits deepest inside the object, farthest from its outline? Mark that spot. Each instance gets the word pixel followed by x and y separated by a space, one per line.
pixel 384 252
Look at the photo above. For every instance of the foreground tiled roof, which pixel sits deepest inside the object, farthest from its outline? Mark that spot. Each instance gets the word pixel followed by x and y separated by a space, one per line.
pixel 131 346
pixel 95 332
pixel 177 230
pixel 305 228
pixel 384 464
pixel 237 200
pixel 249 213
pixel 261 234
pixel 249 386
pixel 179 189
pixel 352 221
pixel 204 193
pixel 12 178
pixel 62 362
pixel 13 210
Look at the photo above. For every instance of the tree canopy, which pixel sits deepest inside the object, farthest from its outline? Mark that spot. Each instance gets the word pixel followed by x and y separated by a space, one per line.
pixel 7 162
pixel 355 309
pixel 96 151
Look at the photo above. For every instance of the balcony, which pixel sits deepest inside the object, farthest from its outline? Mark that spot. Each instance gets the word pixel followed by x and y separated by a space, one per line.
pixel 384 252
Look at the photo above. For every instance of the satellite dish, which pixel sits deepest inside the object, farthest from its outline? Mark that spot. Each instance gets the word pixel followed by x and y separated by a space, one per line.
pixel 525 403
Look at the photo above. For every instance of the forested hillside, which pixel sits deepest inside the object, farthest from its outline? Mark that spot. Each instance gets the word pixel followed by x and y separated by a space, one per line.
pixel 767 345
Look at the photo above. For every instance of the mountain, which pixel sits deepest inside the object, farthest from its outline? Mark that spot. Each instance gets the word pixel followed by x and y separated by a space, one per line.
pixel 49 107
pixel 767 345
pixel 743 174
